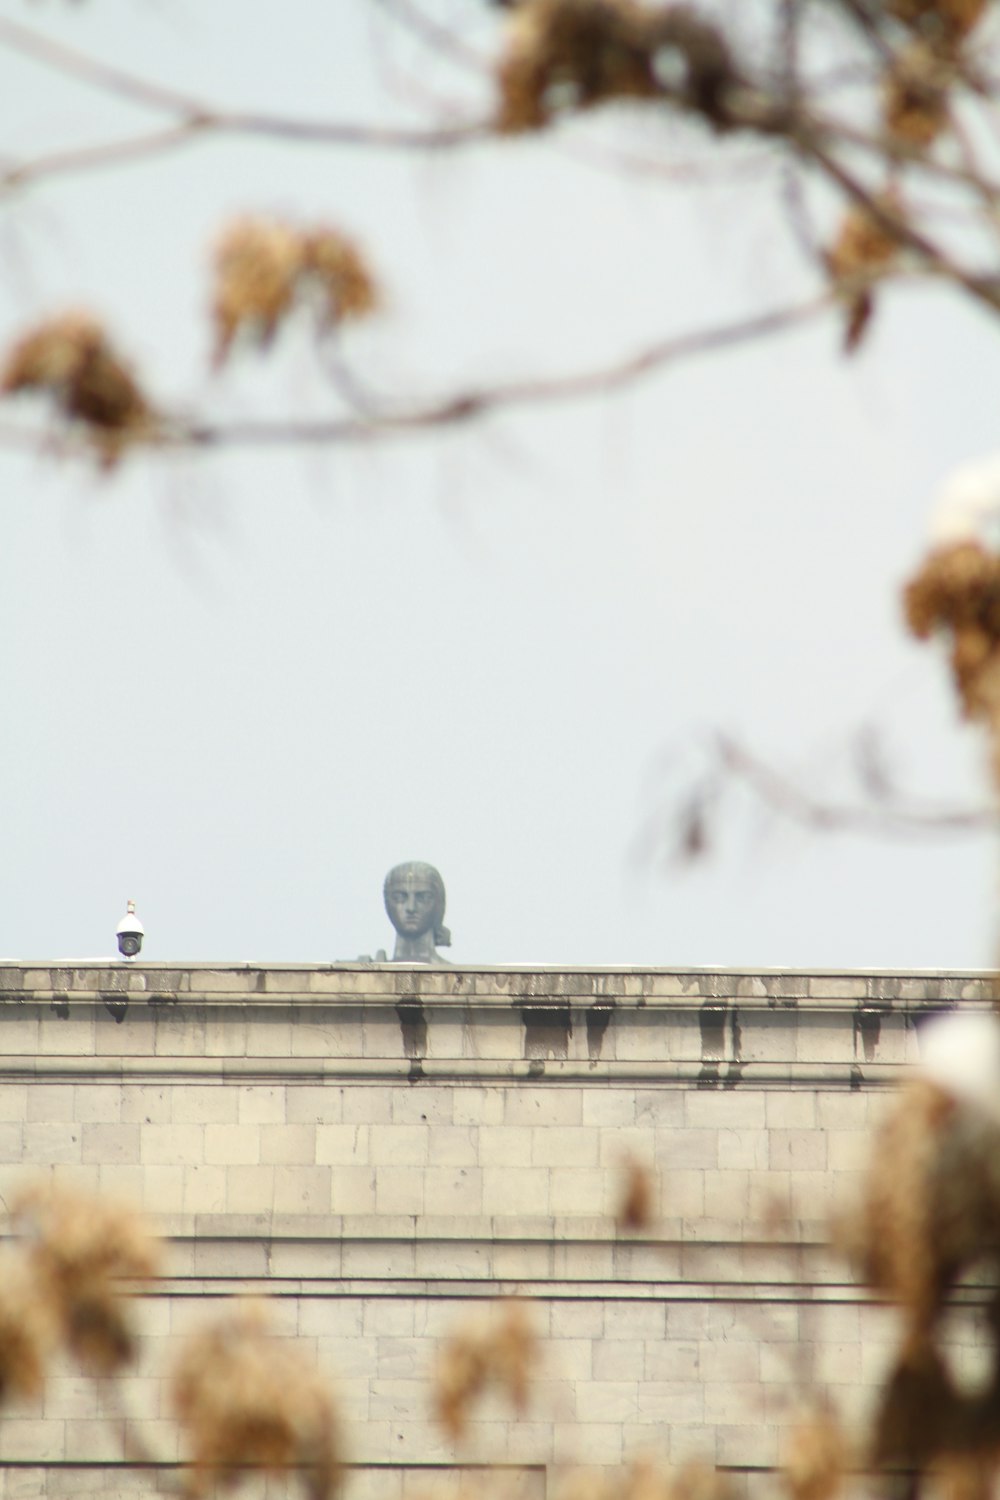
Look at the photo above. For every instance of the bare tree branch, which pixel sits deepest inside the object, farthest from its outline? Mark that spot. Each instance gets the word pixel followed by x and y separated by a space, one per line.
pixel 380 421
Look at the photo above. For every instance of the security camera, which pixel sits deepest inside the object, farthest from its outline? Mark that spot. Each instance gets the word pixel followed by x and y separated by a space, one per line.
pixel 130 933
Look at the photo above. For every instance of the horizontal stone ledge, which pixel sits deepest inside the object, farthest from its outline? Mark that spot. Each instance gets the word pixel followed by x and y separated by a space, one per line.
pixel 713 1076
pixel 501 984
pixel 747 1294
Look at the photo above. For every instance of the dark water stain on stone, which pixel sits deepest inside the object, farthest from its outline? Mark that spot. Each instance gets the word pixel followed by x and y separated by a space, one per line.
pixel 536 1068
pixel 117 1006
pixel 708 1076
pixel 598 1019
pixel 547 1029
pixel 712 1021
pixel 867 1030
pixel 60 1006
pixel 413 1026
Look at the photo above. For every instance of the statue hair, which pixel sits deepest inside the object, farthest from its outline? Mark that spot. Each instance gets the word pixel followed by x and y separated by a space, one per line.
pixel 442 935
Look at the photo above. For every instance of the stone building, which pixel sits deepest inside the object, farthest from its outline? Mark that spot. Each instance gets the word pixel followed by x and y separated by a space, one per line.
pixel 383 1150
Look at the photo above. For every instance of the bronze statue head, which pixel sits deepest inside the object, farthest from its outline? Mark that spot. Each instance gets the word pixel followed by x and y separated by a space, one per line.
pixel 414 901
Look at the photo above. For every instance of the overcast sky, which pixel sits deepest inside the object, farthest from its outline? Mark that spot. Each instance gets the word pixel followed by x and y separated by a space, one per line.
pixel 238 689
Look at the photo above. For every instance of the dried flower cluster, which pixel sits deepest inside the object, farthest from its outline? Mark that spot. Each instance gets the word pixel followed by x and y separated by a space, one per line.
pixel 864 249
pixel 264 268
pixel 27 1330
pixel 956 592
pixel 636 1207
pixel 79 1250
pixel 248 1402
pixel 497 1354
pixel 929 1211
pixel 71 359
pixel 816 1457
pixel 572 54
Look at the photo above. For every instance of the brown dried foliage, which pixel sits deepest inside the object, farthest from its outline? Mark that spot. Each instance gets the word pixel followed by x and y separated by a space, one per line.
pixel 27 1331
pixel 815 1461
pixel 579 53
pixel 863 250
pixel 498 1354
pixel 915 96
pixel 265 268
pixel 637 1204
pixel 943 22
pixel 930 1205
pixel 71 359
pixel 956 591
pixel 247 1402
pixel 79 1250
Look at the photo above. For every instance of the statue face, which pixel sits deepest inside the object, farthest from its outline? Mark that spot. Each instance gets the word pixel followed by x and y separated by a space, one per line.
pixel 411 902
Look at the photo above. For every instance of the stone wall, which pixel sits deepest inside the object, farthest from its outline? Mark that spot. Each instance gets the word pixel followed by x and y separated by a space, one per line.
pixel 383 1151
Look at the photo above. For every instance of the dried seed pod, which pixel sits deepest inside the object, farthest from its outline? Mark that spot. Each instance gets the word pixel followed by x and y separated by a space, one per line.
pixel 915 96
pixel 574 54
pixel 71 359
pixel 499 1353
pixel 249 1403
pixel 79 1250
pixel 264 268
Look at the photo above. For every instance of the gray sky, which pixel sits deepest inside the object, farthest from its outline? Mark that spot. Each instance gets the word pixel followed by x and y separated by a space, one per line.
pixel 239 689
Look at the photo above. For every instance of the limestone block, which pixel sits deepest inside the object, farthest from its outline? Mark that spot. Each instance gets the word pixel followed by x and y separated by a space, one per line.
pixel 50 1103
pixel 146 1104
pixel 609 1107
pixel 588 1190
pixel 515 1190
pixel 743 1148
pixel 366 1104
pixel 106 1144
pixel 289 1144
pixel 204 1105
pixel 694 1147
pixel 797 1150
pixel 314 1038
pixel 671 1401
pixel 667 1360
pixel 388 1317
pixel 13 1103
pixel 33 1438
pixel 593 1442
pixel 662 1108
pixel 175 1144
pixel 421 1104
pixel 97 1103
pixel 726 1109
pixel 401 1145
pixel 70 1035
pixel 19 1033
pixel 162 1189
pixel 204 1189
pixel 250 1189
pixel 682 1193
pixel 302 1189
pixel 643 1318
pixel 563 1146
pixel 346 1145
pixel 531 1105
pixel 44 1143
pixel 259 1104
pixel 315 1104
pixel 618 1359
pixel 791 1109
pixel 398 1190
pixel 353 1190
pixel 504 1146
pixel 473 1105
pixel 453 1190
